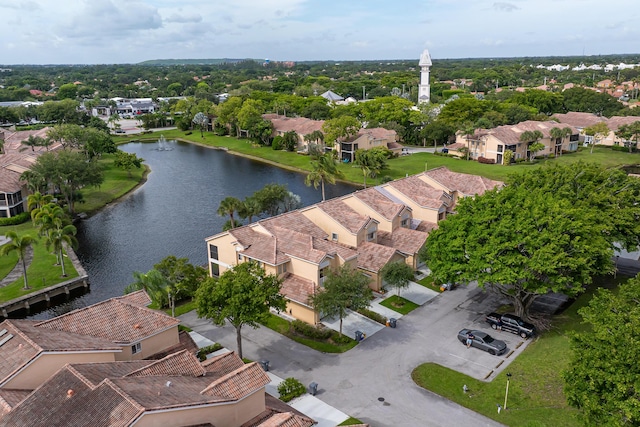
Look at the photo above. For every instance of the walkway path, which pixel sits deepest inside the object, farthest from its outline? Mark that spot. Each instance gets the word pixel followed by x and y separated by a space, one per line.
pixel 16 273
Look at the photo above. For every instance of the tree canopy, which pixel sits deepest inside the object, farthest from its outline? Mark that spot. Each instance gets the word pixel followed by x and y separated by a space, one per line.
pixel 543 232
pixel 602 377
pixel 242 296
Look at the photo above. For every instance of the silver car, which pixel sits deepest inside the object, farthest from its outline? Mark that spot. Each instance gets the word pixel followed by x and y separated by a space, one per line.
pixel 483 341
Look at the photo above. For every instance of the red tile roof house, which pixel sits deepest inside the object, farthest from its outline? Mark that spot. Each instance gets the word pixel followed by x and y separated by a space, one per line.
pixel 14 161
pixel 366 139
pixel 175 391
pixel 117 329
pixel 300 125
pixel 366 229
pixel 584 120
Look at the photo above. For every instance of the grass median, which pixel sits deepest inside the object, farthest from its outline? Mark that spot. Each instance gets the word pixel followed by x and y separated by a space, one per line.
pixel 536 395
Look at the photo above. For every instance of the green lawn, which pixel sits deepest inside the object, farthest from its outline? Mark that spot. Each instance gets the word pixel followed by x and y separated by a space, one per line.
pixel 398 167
pixel 283 327
pixel 399 304
pixel 116 184
pixel 427 282
pixel 536 398
pixel 41 273
pixel 350 421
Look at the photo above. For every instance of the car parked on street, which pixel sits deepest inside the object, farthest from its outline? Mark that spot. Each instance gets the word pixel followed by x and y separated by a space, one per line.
pixel 483 341
pixel 510 323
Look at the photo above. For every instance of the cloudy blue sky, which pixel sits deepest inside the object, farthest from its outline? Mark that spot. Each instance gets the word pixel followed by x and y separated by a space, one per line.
pixel 118 31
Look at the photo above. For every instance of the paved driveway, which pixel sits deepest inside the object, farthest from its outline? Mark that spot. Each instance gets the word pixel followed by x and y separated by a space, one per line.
pixel 381 366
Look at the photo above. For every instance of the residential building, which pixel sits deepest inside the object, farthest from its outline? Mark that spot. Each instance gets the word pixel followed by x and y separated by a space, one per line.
pixel 174 391
pixel 584 120
pixel 366 139
pixel 300 125
pixel 492 143
pixel 15 159
pixel 366 229
pixel 118 329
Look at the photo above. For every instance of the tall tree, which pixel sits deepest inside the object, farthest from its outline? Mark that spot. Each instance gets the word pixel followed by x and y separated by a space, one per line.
pixel 21 245
pixel 153 283
pixel 596 132
pixel 371 162
pixel 32 141
pixel 343 289
pixel 56 240
pixel 340 128
pixel 630 133
pixel 229 206
pixel 531 137
pixel 182 278
pixel 325 169
pixel 602 377
pixel 127 161
pixel 397 275
pixel 201 120
pixel 242 296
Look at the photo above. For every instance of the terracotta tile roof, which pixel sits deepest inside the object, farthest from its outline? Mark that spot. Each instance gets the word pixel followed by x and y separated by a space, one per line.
pixel 239 383
pixel 10 398
pixel 379 203
pixel 300 125
pixel 426 226
pixel 463 183
pixel 185 343
pixel 372 256
pixel 180 363
pixel 276 406
pixel 403 239
pixel 615 122
pixel 294 220
pixel 420 192
pixel 297 288
pixel 73 399
pixel 257 245
pixel 95 373
pixel 29 341
pixel 113 319
pixel 375 133
pixel 579 120
pixel 344 215
pixel 221 365
pixel 140 297
pixel 286 419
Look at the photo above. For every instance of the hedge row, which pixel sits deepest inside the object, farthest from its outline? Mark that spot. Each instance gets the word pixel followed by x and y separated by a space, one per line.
pixel 15 220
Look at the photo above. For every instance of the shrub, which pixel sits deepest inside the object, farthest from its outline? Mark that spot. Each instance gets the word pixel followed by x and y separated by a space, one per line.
pixel 290 388
pixel 204 351
pixel 188 133
pixel 551 156
pixel 311 331
pixel 376 317
pixel 277 143
pixel 15 220
pixel 486 160
pixel 336 338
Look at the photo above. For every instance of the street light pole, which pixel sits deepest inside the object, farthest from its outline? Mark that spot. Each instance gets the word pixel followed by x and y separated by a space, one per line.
pixel 506 393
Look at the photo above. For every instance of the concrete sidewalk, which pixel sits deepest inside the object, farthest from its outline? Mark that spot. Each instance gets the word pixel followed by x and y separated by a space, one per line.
pixel 352 323
pixel 418 294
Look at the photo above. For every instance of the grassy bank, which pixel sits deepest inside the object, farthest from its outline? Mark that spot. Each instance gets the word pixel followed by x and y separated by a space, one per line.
pixel 535 390
pixel 398 167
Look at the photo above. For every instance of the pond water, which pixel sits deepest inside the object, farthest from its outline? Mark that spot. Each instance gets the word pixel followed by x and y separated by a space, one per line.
pixel 171 214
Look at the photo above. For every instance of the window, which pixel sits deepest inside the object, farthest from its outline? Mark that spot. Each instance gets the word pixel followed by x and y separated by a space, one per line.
pixel 215 270
pixel 282 268
pixel 240 257
pixel 574 137
pixel 500 147
pixel 334 237
pixel 371 236
pixel 136 348
pixel 213 252
pixel 441 216
pixel 405 223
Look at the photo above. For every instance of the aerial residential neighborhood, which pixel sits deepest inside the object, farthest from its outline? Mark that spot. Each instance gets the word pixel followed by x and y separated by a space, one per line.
pixel 287 214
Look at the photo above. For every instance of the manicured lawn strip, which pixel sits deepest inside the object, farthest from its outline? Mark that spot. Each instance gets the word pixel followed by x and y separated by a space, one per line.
pixel 116 184
pixel 41 273
pixel 398 167
pixel 427 282
pixel 350 421
pixel 535 392
pixel 181 308
pixel 406 308
pixel 282 326
pixel 7 262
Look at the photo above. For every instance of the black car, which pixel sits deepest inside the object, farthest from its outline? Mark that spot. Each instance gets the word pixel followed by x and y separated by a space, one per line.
pixel 511 323
pixel 483 341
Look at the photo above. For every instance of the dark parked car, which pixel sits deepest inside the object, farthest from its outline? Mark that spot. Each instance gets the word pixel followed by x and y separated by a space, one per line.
pixel 483 341
pixel 511 323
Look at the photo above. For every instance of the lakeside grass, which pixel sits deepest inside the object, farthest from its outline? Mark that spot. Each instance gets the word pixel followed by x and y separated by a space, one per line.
pixel 41 273
pixel 398 167
pixel 536 395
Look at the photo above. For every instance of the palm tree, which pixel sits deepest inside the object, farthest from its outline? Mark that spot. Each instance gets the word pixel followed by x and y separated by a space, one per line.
pixel 531 137
pixel 371 162
pixel 19 244
pixel 48 217
pixel 57 239
pixel 32 141
pixel 37 200
pixel 229 206
pixel 469 129
pixel 153 283
pixel 325 169
pixel 250 207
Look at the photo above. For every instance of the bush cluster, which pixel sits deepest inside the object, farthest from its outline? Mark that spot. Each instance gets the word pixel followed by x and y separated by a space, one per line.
pixel 311 331
pixel 486 160
pixel 291 388
pixel 276 144
pixel 204 351
pixel 376 317
pixel 622 148
pixel 15 220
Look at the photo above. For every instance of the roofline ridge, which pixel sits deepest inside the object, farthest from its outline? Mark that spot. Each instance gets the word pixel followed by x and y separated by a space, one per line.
pixel 25 336
pixel 74 371
pixel 108 383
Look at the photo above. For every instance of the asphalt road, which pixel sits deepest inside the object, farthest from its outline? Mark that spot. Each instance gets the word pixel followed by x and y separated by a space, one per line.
pixel 380 367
